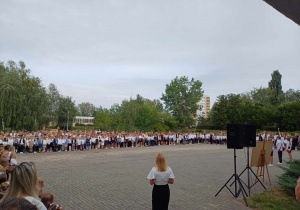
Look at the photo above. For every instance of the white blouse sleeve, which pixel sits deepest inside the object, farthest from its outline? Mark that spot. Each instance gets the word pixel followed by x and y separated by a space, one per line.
pixel 151 174
pixel 171 174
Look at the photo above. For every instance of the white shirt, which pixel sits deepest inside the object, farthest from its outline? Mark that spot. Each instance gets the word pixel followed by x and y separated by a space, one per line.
pixel 10 141
pixel 37 203
pixel 13 162
pixel 279 145
pixel 161 178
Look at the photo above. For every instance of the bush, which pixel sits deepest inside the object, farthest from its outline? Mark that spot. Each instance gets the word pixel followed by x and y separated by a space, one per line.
pixel 291 174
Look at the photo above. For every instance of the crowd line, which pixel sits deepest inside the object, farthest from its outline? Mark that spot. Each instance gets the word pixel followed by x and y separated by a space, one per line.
pixel 43 141
pixel 21 187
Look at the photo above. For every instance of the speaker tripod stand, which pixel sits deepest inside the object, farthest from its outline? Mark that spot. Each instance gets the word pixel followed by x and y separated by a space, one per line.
pixel 249 169
pixel 237 182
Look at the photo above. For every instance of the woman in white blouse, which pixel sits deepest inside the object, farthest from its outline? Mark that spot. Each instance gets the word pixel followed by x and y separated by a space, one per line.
pixel 160 176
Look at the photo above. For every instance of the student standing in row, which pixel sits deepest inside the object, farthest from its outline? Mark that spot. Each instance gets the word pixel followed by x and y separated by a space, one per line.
pixel 279 145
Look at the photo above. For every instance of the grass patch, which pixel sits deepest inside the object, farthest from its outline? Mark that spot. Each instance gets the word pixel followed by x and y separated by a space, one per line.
pixel 276 198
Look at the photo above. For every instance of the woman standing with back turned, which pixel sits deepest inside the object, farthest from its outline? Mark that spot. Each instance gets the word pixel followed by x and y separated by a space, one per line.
pixel 160 176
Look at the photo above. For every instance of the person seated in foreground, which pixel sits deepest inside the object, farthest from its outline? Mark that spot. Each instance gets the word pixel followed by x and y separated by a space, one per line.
pixel 24 184
pixel 17 204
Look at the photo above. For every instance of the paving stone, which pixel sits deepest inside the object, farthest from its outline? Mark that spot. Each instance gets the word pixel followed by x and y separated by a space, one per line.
pixel 116 178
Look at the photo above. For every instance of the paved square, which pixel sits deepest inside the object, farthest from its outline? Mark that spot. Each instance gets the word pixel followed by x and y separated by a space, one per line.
pixel 116 178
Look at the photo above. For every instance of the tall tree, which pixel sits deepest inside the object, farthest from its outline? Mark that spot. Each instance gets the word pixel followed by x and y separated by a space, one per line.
pixel 66 112
pixel 11 97
pixel 23 99
pixel 54 99
pixel 181 97
pixel 275 85
pixel 117 120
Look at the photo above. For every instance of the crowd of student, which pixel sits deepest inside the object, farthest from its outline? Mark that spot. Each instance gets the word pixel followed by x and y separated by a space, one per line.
pixel 282 142
pixel 54 141
pixel 20 186
pixel 43 141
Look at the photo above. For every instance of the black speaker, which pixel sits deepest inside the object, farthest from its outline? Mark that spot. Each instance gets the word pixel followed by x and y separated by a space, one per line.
pixel 249 136
pixel 234 134
pixel 240 135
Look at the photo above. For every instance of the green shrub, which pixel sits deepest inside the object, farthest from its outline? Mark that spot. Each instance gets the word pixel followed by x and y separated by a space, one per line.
pixel 290 176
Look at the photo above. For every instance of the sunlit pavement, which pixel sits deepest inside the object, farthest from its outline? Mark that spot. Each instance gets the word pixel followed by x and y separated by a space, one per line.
pixel 116 178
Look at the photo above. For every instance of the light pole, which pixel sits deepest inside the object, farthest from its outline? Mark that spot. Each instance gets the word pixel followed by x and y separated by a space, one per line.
pixel 68 121
pixel 2 124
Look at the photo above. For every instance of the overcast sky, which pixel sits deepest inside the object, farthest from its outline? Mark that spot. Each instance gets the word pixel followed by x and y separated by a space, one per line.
pixel 106 51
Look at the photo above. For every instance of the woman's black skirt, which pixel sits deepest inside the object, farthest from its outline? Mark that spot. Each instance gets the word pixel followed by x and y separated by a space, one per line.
pixel 160 197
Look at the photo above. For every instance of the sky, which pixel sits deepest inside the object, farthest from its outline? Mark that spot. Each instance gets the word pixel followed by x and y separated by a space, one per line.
pixel 104 52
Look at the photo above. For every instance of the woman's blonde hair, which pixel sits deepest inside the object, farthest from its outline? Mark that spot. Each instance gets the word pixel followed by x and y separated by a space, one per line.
pixel 24 180
pixel 161 162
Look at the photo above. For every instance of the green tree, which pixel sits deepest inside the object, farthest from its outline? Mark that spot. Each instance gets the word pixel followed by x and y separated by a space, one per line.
pixel 66 112
pixel 262 95
pixel 87 109
pixel 117 120
pixel 11 97
pixel 54 100
pixel 288 116
pixel 275 84
pixel 181 97
pixel 23 99
pixel 103 119
pixel 292 95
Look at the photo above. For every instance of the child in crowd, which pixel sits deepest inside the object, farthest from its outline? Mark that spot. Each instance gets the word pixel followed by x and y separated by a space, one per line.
pixel 4 154
pixel 41 183
pixel 3 185
pixel 9 170
pixel 3 178
pixel 48 200
pixel 4 163
pixel 1 149
pixel 13 160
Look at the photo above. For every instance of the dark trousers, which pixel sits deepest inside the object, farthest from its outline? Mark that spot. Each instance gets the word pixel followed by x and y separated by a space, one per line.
pixel 160 197
pixel 21 148
pixel 280 156
pixel 35 148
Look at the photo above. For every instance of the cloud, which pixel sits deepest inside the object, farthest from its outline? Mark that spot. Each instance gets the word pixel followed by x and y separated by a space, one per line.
pixel 106 51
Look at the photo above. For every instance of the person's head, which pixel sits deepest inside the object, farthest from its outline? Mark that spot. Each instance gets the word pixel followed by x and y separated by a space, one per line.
pixel 4 154
pixel 11 148
pixel 24 181
pixel 4 162
pixel 13 155
pixel 4 186
pixel 17 204
pixel 41 182
pixel 3 178
pixel 1 149
pixel 9 169
pixel 47 198
pixel 161 162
